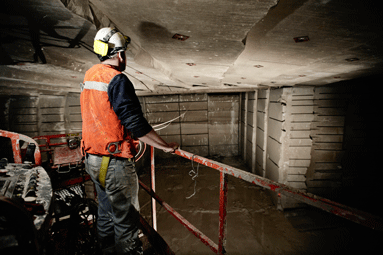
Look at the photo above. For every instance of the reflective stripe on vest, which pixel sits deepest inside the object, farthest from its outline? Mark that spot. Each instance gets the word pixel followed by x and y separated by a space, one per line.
pixel 96 85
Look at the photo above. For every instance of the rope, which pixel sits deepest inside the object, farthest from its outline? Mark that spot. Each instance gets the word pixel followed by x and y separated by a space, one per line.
pixel 195 173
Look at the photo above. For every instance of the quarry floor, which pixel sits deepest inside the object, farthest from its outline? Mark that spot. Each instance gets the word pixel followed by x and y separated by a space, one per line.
pixel 254 225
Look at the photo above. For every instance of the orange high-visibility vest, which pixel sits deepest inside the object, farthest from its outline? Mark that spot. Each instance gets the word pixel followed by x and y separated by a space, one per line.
pixel 101 127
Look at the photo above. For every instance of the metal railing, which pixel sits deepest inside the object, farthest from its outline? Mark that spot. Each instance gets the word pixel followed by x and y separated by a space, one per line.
pixel 352 214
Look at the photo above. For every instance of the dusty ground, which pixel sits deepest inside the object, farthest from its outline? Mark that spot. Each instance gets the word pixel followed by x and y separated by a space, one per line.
pixel 254 225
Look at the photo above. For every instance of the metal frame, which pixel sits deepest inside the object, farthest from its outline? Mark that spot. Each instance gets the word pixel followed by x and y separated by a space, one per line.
pixel 346 212
pixel 48 138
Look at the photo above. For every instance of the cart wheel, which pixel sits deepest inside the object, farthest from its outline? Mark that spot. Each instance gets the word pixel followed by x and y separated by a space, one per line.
pixel 84 218
pixel 17 230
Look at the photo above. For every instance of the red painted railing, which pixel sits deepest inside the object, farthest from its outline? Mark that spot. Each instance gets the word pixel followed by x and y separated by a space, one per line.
pixel 18 150
pixel 346 212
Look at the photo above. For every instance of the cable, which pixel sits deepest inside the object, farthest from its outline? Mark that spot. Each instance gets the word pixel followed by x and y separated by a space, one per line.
pixel 167 123
pixel 157 127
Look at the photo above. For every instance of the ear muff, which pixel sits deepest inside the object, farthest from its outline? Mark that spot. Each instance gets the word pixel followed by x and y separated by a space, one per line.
pixel 100 48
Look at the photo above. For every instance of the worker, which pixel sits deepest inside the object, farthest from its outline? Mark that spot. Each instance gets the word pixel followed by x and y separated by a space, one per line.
pixel 112 126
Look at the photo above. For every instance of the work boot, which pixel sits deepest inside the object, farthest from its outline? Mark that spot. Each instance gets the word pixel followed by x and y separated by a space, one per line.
pixel 132 248
pixel 106 245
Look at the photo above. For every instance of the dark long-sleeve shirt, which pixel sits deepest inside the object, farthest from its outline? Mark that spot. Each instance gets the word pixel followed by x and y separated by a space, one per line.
pixel 126 105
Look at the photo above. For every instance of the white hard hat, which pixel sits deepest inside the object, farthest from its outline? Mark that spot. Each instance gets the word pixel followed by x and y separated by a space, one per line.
pixel 108 42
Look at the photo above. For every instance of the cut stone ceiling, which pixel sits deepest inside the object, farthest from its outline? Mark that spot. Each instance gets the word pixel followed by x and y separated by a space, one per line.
pixel 183 45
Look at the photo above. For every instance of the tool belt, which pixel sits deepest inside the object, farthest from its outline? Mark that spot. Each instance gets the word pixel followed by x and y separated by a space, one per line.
pixel 105 162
